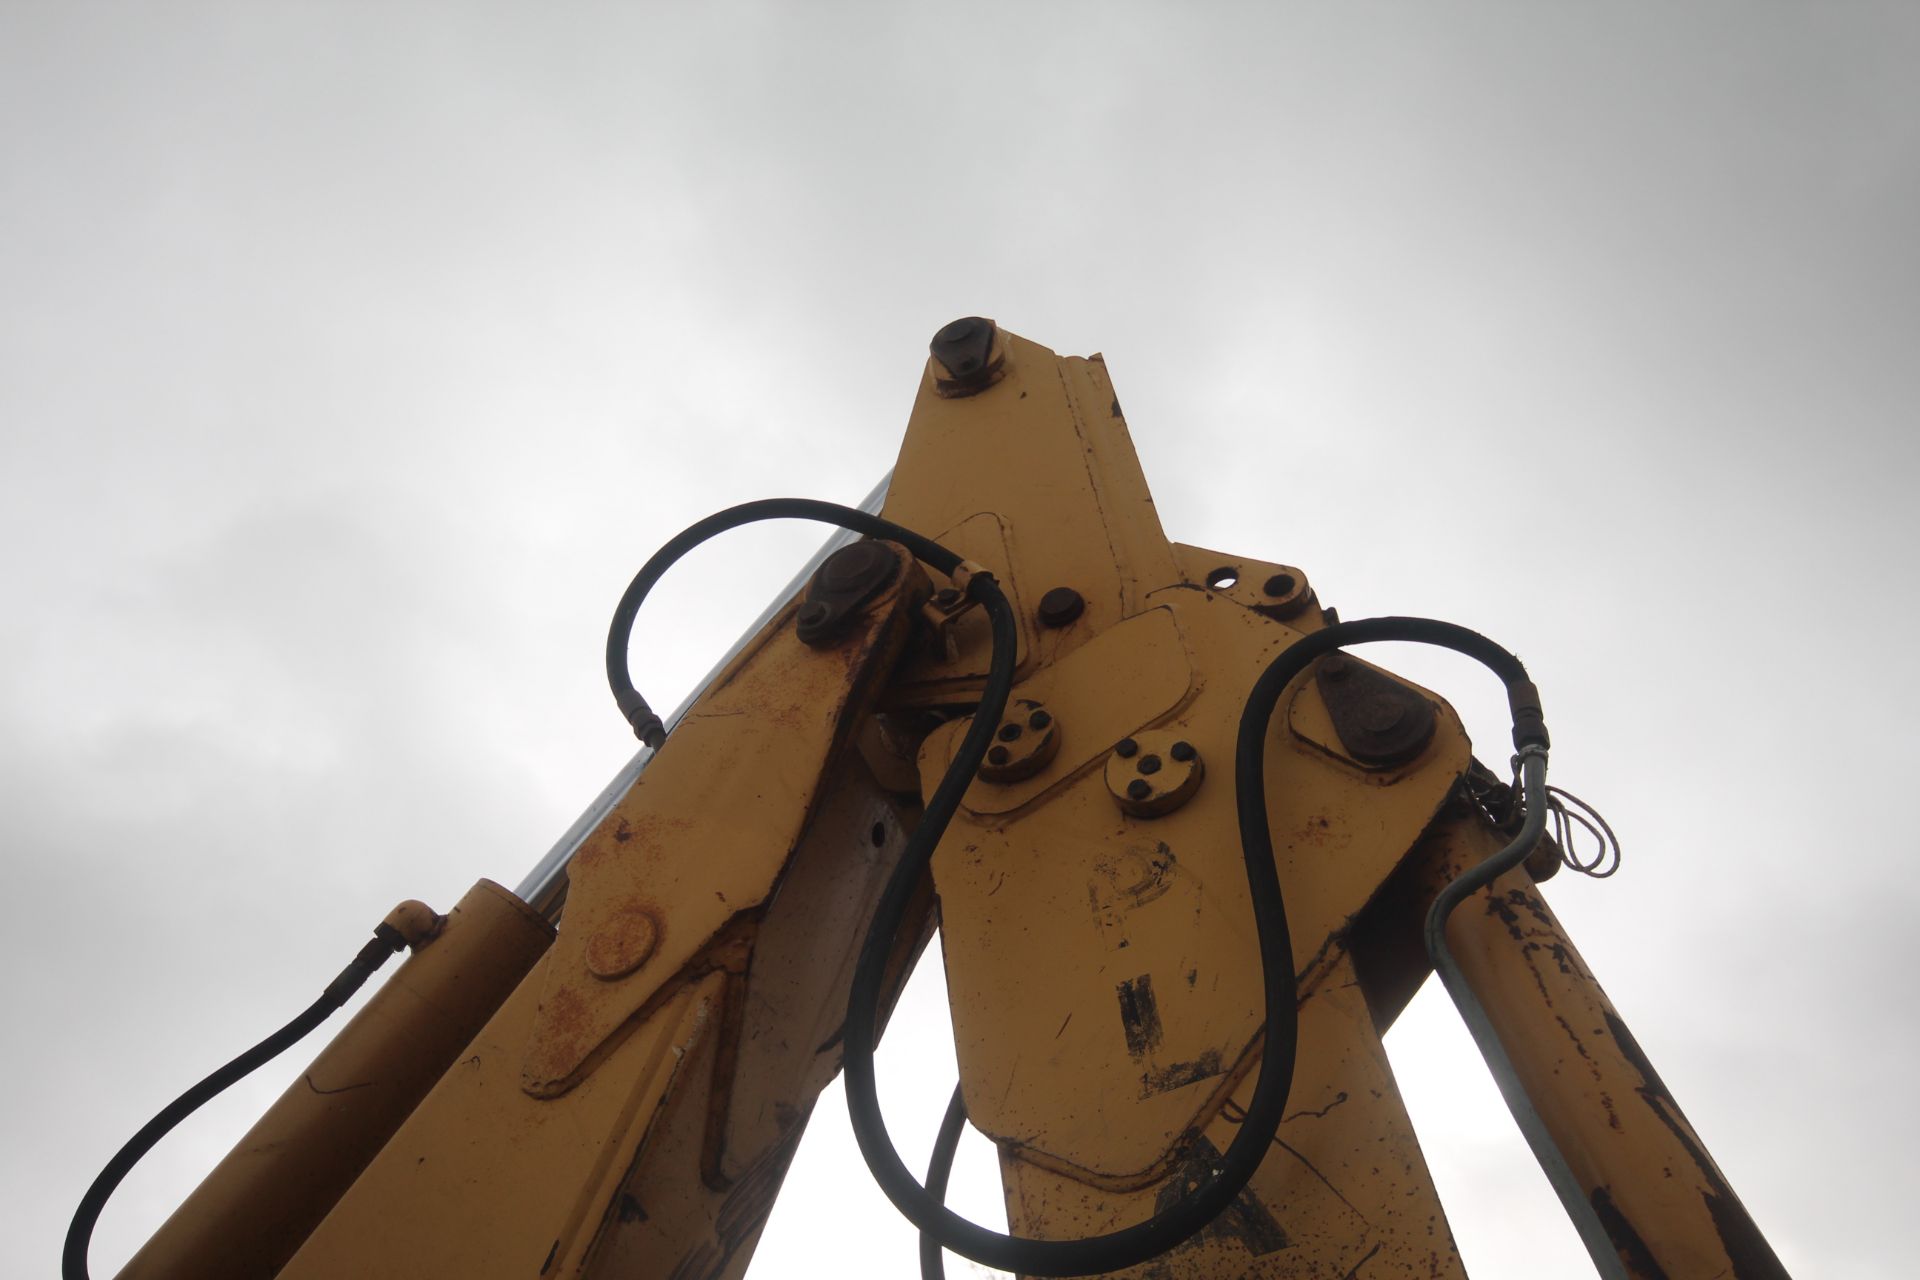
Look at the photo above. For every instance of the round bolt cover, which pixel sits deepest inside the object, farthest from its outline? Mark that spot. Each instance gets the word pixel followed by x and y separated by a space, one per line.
pixel 623 944
pixel 1029 740
pixel 1060 606
pixel 1157 772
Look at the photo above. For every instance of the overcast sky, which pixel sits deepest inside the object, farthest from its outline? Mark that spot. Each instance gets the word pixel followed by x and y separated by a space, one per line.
pixel 353 356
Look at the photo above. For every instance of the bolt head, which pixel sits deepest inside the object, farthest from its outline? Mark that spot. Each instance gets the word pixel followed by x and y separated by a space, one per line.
pixel 853 566
pixel 965 329
pixel 1139 789
pixel 964 348
pixel 1009 732
pixel 1125 748
pixel 1060 606
pixel 998 755
pixel 623 944
pixel 1039 720
pixel 1182 751
pixel 1148 764
pixel 813 613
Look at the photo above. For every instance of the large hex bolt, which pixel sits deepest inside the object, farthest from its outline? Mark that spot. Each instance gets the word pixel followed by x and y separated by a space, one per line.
pixel 1154 773
pixel 841 588
pixel 1060 606
pixel 966 357
pixel 1025 743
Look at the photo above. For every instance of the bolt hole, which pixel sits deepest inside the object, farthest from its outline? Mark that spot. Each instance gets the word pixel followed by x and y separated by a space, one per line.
pixel 1009 732
pixel 1039 720
pixel 999 755
pixel 1280 584
pixel 1148 764
pixel 1223 577
pixel 879 834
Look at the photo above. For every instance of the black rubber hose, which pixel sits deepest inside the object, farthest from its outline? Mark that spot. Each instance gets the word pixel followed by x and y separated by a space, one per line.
pixel 1214 1191
pixel 940 1227
pixel 73 1257
pixel 646 725
pixel 946 1144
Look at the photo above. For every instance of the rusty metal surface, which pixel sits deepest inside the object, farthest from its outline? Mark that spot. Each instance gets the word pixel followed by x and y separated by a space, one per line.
pixel 661 1155
pixel 665 1160
pixel 706 1176
pixel 544 887
pixel 704 833
pixel 1664 1203
pixel 1380 721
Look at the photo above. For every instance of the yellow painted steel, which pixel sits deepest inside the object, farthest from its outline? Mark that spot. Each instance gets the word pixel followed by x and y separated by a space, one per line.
pixel 631 1108
pixel 1664 1202
pixel 253 1211
pixel 1101 968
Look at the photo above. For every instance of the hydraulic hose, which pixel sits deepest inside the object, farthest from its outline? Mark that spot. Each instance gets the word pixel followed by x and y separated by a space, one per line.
pixel 1037 1257
pixel 1218 1185
pixel 1553 1162
pixel 647 726
pixel 73 1256
pixel 946 1144
pixel 1230 1173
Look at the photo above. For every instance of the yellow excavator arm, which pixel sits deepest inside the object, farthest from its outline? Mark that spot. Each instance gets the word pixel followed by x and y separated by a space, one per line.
pixel 1188 855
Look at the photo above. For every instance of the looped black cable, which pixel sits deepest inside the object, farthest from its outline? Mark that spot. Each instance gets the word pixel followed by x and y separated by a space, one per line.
pixel 1568 810
pixel 1219 1185
pixel 73 1255
pixel 646 725
pixel 946 1144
